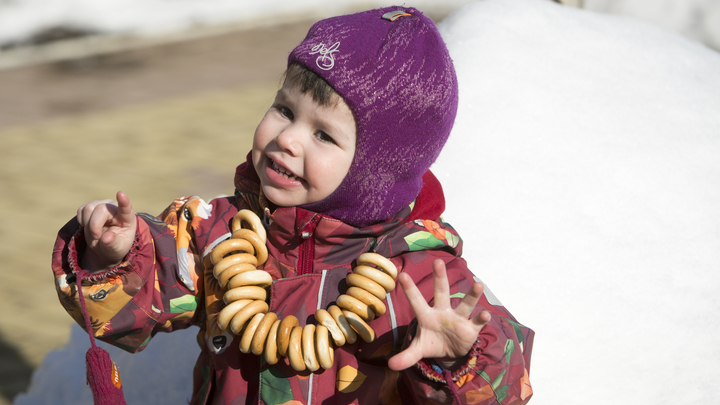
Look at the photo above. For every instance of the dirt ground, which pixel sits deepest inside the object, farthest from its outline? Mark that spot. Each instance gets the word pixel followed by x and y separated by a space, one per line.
pixel 155 122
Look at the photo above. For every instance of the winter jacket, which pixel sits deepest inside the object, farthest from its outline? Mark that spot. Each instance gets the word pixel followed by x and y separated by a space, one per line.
pixel 162 286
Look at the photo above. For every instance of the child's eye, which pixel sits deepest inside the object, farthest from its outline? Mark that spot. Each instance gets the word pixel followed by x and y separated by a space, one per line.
pixel 323 137
pixel 285 112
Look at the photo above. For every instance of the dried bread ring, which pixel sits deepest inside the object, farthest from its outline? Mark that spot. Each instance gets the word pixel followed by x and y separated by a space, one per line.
pixel 232 271
pixel 342 323
pixel 229 246
pixel 261 333
pixel 380 262
pixel 283 334
pixel 325 353
pixel 355 305
pixel 324 318
pixel 249 333
pixel 271 345
pixel 253 277
pixel 363 329
pixel 368 299
pixel 243 316
pixel 226 314
pixel 261 251
pixel 232 260
pixel 246 292
pixel 295 349
pixel 356 280
pixel 308 347
pixel 377 276
pixel 251 219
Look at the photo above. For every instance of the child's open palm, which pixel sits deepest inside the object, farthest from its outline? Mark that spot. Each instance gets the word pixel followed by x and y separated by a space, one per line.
pixel 109 231
pixel 443 333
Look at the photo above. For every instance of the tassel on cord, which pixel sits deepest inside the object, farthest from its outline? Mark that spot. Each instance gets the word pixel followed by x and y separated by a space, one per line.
pixel 103 376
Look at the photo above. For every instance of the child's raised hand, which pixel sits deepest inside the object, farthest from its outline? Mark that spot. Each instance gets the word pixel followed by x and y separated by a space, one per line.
pixel 443 333
pixel 109 231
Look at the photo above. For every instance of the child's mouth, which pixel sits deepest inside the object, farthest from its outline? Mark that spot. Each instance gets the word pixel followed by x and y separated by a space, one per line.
pixel 283 172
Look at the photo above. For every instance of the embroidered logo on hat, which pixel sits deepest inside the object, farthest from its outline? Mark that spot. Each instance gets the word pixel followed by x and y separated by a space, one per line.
pixel 326 60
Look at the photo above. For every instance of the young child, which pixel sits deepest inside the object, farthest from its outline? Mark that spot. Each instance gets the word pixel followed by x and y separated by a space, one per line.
pixel 339 167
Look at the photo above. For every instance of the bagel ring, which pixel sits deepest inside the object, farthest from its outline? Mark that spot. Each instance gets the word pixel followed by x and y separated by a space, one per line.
pixel 261 251
pixel 261 333
pixel 356 280
pixel 232 271
pixel 308 347
pixel 226 314
pixel 246 292
pixel 251 219
pixel 355 305
pixel 381 262
pixel 232 260
pixel 295 349
pixel 283 334
pixel 271 346
pixel 253 277
pixel 342 323
pixel 363 329
pixel 325 353
pixel 231 245
pixel 368 299
pixel 377 276
pixel 249 333
pixel 324 318
pixel 243 316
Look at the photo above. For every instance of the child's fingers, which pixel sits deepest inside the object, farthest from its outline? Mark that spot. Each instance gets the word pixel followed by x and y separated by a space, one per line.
pixel 482 318
pixel 125 213
pixel 440 285
pixel 467 304
pixel 414 297
pixel 85 211
pixel 100 218
pixel 406 358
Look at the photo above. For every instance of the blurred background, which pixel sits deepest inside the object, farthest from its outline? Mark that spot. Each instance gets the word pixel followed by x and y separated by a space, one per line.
pixel 158 98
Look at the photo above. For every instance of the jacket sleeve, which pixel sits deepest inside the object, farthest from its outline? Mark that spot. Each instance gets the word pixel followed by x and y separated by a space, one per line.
pixel 157 287
pixel 495 371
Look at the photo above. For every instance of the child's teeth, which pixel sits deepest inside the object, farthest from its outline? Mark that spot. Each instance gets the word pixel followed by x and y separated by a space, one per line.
pixel 283 172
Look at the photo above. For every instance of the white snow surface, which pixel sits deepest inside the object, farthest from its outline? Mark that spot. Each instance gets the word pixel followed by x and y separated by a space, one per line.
pixel 20 19
pixel 583 173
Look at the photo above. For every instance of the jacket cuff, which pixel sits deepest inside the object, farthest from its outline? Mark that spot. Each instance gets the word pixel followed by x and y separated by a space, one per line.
pixel 76 248
pixel 434 371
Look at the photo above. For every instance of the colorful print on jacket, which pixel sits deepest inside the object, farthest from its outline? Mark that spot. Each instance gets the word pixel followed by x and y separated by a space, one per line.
pixel 162 286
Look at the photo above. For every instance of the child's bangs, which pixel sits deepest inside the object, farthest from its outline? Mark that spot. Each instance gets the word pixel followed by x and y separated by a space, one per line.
pixel 309 82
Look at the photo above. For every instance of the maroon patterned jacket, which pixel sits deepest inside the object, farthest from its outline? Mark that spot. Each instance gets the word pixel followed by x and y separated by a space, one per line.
pixel 161 287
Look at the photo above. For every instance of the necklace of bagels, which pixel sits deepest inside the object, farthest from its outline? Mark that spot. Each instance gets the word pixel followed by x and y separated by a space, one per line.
pixel 234 262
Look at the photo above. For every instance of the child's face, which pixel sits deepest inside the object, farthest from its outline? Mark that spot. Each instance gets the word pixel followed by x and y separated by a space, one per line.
pixel 301 149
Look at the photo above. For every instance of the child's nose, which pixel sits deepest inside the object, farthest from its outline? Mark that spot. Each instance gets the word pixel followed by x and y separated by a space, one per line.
pixel 289 139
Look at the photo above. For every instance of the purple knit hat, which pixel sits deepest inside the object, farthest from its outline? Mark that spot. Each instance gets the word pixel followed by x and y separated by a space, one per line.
pixel 394 71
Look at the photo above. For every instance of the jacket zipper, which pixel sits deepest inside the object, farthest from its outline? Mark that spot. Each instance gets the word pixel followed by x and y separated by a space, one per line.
pixel 307 246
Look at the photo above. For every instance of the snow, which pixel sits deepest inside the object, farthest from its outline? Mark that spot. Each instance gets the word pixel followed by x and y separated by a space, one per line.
pixel 20 19
pixel 583 173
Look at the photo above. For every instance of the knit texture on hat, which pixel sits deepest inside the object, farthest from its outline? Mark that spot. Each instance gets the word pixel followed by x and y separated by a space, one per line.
pixel 399 81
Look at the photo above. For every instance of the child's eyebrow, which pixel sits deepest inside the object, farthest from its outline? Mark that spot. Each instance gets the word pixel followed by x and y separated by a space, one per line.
pixel 281 95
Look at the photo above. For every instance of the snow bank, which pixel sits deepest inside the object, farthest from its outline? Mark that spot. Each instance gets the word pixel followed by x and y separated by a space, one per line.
pixel 20 19
pixel 583 173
